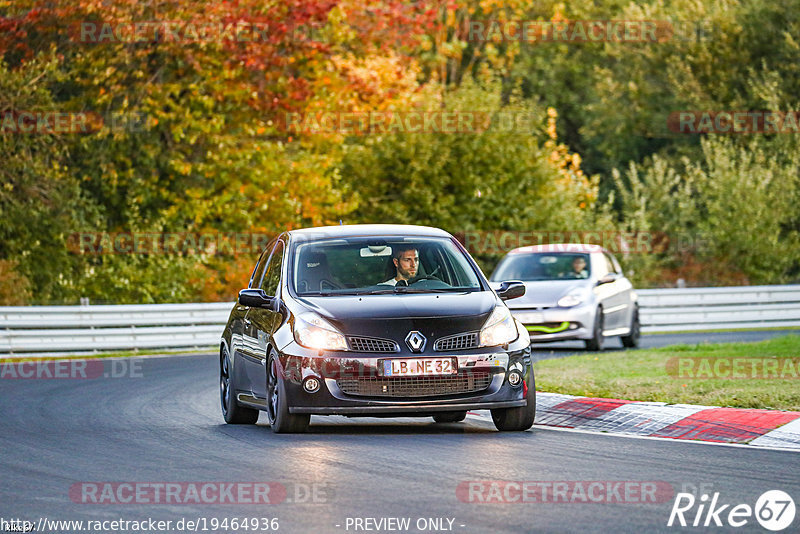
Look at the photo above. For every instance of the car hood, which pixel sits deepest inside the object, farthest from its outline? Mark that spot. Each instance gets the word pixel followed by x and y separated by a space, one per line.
pixel 394 316
pixel 545 293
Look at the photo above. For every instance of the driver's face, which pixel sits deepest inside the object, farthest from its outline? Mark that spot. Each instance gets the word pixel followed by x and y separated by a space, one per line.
pixel 578 264
pixel 407 264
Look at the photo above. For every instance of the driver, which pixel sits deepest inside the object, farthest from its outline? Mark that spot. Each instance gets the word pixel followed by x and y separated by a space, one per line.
pixel 406 263
pixel 578 268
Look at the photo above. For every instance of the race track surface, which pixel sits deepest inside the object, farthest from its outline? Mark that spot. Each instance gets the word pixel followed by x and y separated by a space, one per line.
pixel 163 425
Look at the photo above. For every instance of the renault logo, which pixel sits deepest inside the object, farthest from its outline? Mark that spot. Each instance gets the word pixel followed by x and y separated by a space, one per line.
pixel 415 341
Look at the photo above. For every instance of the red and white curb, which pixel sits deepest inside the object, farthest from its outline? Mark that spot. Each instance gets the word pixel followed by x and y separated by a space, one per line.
pixel 763 428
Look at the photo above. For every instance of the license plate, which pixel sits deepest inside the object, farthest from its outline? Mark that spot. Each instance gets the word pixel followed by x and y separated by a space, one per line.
pixel 530 317
pixel 419 367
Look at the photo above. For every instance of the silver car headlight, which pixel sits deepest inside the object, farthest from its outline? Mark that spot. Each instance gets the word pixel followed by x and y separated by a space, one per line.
pixel 499 328
pixel 568 301
pixel 314 332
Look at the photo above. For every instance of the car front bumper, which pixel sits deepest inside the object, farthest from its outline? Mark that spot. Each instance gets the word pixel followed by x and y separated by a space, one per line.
pixel 557 324
pixel 352 384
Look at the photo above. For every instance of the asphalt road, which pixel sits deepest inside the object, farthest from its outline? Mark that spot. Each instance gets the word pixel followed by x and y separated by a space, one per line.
pixel 163 425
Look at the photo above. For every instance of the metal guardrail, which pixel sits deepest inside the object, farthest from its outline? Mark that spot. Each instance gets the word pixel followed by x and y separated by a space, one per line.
pixel 711 308
pixel 53 329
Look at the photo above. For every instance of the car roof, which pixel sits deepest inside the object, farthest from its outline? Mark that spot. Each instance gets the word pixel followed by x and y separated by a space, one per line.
pixel 366 230
pixel 556 248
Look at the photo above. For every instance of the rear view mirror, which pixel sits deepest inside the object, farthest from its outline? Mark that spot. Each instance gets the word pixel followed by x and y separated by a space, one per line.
pixel 607 279
pixel 375 250
pixel 511 289
pixel 255 298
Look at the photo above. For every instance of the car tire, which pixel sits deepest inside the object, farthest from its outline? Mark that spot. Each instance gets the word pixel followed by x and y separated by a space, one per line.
pixel 232 412
pixel 450 417
pixel 280 420
pixel 517 419
pixel 632 339
pixel 596 343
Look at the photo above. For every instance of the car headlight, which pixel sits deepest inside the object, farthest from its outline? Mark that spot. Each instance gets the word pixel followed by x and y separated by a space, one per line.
pixel 569 301
pixel 314 332
pixel 499 328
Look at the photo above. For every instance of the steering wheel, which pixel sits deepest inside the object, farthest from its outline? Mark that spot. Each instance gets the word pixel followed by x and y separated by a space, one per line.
pixel 429 276
pixel 421 278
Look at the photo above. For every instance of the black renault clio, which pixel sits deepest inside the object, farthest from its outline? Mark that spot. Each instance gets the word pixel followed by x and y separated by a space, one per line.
pixel 378 321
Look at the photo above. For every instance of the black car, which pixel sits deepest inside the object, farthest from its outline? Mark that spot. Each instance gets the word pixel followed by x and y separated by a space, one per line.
pixel 373 320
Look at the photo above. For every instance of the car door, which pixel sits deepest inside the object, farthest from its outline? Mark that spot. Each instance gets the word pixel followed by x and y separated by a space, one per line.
pixel 253 348
pixel 259 323
pixel 241 335
pixel 624 290
pixel 618 295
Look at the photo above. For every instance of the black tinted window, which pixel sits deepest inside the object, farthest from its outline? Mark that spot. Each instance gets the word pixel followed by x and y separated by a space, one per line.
pixel 367 264
pixel 273 276
pixel 258 271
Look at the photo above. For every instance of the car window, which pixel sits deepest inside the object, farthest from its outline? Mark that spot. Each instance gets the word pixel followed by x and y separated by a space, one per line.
pixel 537 266
pixel 365 265
pixel 610 263
pixel 273 272
pixel 258 270
pixel 617 267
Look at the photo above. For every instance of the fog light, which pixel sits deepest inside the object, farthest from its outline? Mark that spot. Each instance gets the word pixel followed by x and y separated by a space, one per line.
pixel 515 378
pixel 573 326
pixel 311 385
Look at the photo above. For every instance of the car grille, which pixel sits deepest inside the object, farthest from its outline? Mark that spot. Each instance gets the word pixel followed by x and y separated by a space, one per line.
pixel 371 344
pixel 418 386
pixel 461 341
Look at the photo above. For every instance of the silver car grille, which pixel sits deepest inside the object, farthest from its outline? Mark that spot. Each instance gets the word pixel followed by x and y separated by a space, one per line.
pixel 457 342
pixel 373 344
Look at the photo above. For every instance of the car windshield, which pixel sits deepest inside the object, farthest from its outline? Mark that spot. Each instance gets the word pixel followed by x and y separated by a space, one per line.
pixel 543 266
pixel 376 265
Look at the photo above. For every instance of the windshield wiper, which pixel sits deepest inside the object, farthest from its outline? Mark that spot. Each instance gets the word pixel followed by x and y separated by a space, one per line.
pixel 404 289
pixel 390 291
pixel 327 293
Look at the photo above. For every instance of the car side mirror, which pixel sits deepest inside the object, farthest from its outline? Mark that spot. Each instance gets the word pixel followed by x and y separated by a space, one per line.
pixel 607 279
pixel 511 289
pixel 256 298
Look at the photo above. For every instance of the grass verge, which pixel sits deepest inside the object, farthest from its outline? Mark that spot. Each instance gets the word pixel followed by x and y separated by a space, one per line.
pixel 764 374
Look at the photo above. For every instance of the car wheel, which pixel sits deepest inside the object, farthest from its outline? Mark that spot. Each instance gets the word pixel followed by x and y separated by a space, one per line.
pixel 231 411
pixel 596 343
pixel 517 419
pixel 280 420
pixel 632 339
pixel 450 417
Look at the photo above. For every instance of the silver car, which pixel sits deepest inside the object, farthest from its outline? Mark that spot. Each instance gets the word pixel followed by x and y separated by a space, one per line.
pixel 572 292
